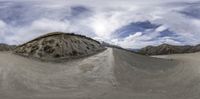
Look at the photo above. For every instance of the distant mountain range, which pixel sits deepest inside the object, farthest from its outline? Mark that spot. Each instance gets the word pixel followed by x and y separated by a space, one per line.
pixel 168 49
pixel 5 47
pixel 163 49
pixel 105 44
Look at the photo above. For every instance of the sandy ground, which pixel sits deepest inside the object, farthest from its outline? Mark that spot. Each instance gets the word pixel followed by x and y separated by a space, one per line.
pixel 112 74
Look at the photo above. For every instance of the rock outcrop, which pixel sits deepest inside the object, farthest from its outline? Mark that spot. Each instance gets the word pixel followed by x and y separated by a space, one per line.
pixel 165 49
pixel 59 45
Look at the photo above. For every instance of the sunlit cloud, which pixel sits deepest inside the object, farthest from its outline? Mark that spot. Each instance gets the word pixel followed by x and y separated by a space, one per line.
pixel 129 24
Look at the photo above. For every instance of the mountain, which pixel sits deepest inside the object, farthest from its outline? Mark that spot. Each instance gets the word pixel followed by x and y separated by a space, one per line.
pixel 111 73
pixel 168 49
pixel 5 47
pixel 58 45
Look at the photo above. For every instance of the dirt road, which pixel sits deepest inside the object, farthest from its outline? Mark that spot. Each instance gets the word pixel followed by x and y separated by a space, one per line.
pixel 112 74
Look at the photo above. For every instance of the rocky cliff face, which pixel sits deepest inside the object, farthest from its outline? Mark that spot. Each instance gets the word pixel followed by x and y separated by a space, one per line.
pixel 59 45
pixel 168 49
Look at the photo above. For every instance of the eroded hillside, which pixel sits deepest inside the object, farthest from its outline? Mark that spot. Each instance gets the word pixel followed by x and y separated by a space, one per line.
pixel 59 45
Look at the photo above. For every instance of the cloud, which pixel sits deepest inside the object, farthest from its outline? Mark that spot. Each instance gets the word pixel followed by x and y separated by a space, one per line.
pixel 135 27
pixel 128 23
pixel 161 28
pixel 41 26
pixel 134 40
pixel 3 28
pixel 104 23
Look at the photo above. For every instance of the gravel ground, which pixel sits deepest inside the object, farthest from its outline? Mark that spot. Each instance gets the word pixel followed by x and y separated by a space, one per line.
pixel 112 74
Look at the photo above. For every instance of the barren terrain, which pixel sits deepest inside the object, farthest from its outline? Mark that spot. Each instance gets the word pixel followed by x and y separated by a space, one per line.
pixel 111 74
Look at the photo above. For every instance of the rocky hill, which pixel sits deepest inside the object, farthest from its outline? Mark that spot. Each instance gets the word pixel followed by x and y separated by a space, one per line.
pixel 168 49
pixel 59 45
pixel 111 74
pixel 5 47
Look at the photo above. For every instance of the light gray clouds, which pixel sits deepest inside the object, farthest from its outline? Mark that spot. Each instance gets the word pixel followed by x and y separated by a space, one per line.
pixel 22 20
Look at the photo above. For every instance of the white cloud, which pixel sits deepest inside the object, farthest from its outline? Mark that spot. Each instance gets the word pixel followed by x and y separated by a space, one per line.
pixel 161 28
pixel 169 40
pixel 47 25
pixel 105 18
pixel 3 28
pixel 3 31
pixel 39 27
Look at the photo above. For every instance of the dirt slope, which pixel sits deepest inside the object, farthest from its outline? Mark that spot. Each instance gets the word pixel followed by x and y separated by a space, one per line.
pixel 112 74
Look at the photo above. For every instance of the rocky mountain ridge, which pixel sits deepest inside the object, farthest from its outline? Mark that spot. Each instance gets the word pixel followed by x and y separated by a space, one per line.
pixel 6 47
pixel 165 49
pixel 58 45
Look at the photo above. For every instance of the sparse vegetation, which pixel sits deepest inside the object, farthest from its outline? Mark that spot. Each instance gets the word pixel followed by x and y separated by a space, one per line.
pixel 56 45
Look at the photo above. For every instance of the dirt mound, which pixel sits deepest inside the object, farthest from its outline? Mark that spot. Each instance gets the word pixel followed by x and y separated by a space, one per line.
pixel 59 45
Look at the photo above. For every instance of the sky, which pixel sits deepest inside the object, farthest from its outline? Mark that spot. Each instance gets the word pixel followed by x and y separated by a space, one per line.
pixel 127 23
